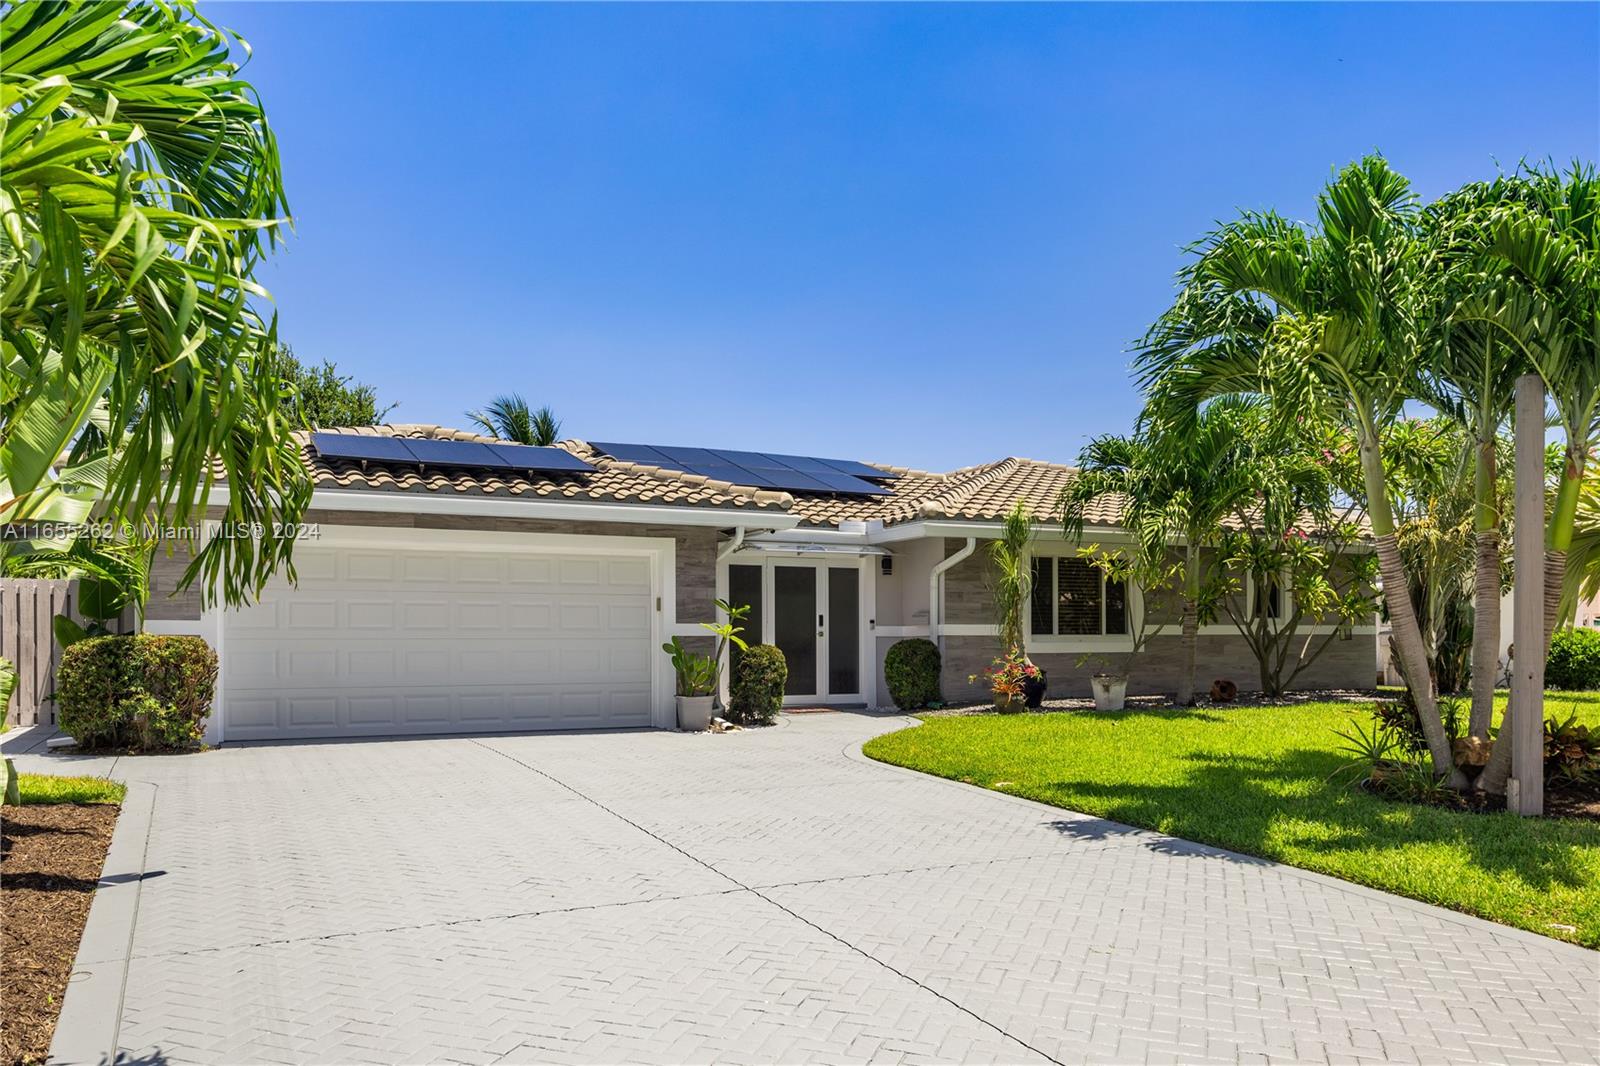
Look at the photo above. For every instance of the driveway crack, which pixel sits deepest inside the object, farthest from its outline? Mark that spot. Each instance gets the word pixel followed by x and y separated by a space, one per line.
pixel 758 893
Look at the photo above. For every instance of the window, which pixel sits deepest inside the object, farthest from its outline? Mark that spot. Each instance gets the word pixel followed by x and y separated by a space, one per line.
pixel 1268 594
pixel 1071 598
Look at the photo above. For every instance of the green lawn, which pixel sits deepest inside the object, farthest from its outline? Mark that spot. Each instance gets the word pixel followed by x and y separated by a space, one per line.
pixel 1255 780
pixel 48 788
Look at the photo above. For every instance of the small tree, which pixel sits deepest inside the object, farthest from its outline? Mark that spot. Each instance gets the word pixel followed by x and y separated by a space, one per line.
pixel 321 397
pixel 1158 578
pixel 1012 583
pixel 1295 580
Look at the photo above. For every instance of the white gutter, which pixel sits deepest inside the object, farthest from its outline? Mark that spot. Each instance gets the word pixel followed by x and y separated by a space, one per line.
pixel 383 502
pixel 935 601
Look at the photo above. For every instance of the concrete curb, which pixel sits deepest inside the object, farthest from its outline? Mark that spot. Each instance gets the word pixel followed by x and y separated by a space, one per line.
pixel 1134 833
pixel 91 1012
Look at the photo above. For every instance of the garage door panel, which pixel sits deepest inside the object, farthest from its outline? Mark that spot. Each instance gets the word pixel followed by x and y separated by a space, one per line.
pixel 530 570
pixel 372 643
pixel 479 614
pixel 365 567
pixel 373 710
pixel 312 711
pixel 530 617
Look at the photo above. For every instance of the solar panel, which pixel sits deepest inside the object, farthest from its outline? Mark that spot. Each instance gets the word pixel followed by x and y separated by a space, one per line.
pixel 634 453
pixel 453 453
pixel 360 446
pixel 528 457
pixel 854 485
pixel 764 470
pixel 467 454
pixel 789 478
pixel 855 469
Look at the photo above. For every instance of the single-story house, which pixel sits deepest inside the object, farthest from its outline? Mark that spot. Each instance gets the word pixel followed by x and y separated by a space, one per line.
pixel 448 583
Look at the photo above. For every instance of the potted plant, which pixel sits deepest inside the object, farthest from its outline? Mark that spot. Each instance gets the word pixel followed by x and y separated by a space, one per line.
pixel 1110 691
pixel 1008 677
pixel 1159 578
pixel 697 685
pixel 700 676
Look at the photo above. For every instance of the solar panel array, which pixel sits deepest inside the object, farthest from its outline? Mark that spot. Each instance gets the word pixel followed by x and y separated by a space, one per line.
pixel 766 470
pixel 467 454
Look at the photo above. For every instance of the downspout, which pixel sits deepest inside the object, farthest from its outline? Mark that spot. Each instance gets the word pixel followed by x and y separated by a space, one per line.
pixel 723 667
pixel 732 545
pixel 935 601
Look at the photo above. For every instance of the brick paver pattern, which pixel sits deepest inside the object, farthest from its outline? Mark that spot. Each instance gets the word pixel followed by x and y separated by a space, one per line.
pixel 766 897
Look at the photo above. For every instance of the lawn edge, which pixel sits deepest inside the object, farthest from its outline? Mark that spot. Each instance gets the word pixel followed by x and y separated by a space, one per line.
pixel 1472 921
pixel 91 1010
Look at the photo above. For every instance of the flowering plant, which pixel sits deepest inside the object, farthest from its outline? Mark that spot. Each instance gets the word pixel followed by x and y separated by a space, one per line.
pixel 1007 674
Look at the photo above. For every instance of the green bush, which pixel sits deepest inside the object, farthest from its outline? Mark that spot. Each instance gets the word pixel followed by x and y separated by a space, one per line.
pixel 1574 661
pixel 148 693
pixel 756 692
pixel 912 670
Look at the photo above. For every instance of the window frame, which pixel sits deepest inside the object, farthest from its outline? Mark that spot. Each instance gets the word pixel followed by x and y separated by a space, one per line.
pixel 1102 641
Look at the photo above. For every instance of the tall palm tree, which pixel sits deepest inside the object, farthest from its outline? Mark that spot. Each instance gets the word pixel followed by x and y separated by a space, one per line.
pixel 1547 238
pixel 1339 306
pixel 1468 373
pixel 508 417
pixel 139 190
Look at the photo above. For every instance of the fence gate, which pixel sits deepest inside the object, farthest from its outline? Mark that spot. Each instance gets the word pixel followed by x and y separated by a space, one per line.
pixel 27 610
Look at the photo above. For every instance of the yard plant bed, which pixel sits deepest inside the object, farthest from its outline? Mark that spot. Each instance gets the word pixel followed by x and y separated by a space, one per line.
pixel 51 856
pixel 1257 780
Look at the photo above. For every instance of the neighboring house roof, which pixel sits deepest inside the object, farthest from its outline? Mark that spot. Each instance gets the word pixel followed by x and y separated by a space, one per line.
pixel 976 493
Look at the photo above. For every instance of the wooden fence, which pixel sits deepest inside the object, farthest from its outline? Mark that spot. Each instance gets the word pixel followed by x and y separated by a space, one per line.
pixel 27 611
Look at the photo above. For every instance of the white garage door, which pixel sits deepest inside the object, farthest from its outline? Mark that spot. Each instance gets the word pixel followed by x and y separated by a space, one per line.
pixel 382 641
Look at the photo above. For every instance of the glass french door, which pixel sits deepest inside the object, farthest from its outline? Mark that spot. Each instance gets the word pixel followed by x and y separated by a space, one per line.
pixel 812 612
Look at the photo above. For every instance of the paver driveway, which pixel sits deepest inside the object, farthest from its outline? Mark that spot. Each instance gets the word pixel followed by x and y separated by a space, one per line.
pixel 765 896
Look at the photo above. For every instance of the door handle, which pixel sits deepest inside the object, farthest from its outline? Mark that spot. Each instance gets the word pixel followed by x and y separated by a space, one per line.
pixel 820 625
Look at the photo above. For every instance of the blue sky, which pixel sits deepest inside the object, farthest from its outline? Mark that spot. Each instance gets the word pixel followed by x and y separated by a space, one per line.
pixel 918 234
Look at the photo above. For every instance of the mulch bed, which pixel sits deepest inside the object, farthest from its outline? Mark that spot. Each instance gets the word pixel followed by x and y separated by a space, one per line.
pixel 50 861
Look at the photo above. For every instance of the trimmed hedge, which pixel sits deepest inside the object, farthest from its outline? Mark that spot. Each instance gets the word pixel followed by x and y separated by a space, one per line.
pixel 912 670
pixel 756 693
pixel 144 692
pixel 1574 661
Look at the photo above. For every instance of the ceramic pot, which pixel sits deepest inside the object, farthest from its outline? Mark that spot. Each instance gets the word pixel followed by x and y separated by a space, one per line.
pixel 1110 692
pixel 694 713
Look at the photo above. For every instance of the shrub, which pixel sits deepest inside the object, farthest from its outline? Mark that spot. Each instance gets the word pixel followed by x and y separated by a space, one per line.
pixel 912 670
pixel 145 692
pixel 759 678
pixel 1574 661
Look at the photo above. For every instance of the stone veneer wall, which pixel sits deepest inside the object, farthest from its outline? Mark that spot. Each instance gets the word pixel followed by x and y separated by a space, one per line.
pixel 1349 663
pixel 696 555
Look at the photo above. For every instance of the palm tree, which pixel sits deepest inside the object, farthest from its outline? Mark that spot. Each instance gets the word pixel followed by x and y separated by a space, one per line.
pixel 1546 236
pixel 1469 374
pixel 139 190
pixel 1325 322
pixel 508 417
pixel 1177 487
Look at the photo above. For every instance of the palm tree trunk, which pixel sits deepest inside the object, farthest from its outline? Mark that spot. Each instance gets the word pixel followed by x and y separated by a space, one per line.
pixel 1498 769
pixel 1402 613
pixel 1191 623
pixel 1485 632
